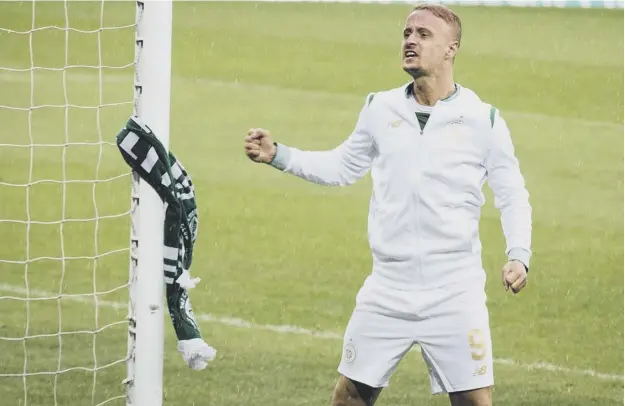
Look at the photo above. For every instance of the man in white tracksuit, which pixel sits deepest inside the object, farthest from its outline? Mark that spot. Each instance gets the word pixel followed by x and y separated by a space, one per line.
pixel 430 146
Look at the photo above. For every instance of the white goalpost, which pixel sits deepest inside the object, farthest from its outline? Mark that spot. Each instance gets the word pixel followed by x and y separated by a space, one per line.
pixel 65 312
pixel 152 87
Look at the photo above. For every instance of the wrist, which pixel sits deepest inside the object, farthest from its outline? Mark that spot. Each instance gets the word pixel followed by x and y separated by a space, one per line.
pixel 274 152
pixel 521 255
pixel 520 262
pixel 280 156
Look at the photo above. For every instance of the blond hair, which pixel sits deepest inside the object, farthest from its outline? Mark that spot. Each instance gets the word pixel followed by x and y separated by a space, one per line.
pixel 446 15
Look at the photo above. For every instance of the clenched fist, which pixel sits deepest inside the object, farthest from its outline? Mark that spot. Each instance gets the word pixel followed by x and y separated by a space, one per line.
pixel 514 276
pixel 259 146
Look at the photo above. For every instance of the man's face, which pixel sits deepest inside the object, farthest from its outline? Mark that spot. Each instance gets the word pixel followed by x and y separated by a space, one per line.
pixel 426 44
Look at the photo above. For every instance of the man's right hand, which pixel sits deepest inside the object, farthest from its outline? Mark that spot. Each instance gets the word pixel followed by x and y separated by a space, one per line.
pixel 259 146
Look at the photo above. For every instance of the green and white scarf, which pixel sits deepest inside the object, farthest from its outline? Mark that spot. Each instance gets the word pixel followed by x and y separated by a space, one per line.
pixel 145 154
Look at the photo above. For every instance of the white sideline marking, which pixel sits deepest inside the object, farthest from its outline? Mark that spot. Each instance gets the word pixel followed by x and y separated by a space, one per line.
pixel 236 322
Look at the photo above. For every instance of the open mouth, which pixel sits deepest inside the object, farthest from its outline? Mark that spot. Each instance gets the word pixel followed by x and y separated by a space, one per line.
pixel 410 54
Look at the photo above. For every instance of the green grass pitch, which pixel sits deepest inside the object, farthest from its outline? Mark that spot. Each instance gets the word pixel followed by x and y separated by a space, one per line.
pixel 274 250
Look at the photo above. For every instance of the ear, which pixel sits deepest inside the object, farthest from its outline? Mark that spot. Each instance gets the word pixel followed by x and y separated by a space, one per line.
pixel 452 50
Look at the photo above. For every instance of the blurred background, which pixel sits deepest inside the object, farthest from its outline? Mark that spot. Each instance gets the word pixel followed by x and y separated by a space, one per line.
pixel 281 260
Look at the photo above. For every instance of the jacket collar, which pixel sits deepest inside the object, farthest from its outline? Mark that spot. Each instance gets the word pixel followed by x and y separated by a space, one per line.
pixel 409 91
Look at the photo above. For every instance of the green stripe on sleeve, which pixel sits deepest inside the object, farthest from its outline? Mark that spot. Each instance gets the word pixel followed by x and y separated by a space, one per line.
pixel 493 111
pixel 370 98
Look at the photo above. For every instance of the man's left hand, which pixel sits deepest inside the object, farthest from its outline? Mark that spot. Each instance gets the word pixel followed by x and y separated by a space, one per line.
pixel 514 276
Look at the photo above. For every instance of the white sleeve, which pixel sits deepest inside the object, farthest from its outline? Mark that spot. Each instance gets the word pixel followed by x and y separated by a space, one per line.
pixel 341 166
pixel 511 195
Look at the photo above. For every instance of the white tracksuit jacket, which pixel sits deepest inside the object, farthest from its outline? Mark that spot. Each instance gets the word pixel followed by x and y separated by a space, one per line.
pixel 427 185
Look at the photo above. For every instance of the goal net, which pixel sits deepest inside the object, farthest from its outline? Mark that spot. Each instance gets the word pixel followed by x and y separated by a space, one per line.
pixel 69 80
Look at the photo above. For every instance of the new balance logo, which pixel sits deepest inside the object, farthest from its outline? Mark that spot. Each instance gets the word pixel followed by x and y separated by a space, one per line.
pixel 480 370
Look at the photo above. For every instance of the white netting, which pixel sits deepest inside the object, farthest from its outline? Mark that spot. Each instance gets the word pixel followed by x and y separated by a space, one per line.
pixel 66 88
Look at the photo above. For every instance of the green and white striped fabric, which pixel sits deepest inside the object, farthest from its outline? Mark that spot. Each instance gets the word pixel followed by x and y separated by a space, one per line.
pixel 144 153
